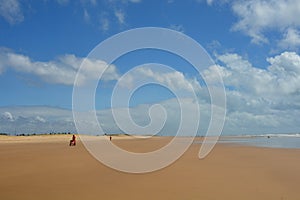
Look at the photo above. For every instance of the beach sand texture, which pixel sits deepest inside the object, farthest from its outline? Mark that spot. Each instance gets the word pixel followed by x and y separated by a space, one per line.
pixel 47 168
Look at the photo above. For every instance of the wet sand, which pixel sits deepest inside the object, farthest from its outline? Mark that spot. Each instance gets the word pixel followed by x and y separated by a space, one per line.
pixel 45 167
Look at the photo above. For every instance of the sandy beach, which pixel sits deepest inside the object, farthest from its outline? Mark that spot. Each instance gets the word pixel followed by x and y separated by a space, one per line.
pixel 45 167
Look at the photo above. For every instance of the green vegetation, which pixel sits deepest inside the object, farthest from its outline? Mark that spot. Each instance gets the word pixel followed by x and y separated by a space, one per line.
pixel 51 133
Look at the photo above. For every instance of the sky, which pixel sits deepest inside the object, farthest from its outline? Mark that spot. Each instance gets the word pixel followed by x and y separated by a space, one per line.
pixel 253 43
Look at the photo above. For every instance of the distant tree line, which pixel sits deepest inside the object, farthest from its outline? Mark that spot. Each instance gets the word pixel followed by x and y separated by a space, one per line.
pixel 51 133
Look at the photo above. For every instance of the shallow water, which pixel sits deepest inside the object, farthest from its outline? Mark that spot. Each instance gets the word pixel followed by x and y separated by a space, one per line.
pixel 288 141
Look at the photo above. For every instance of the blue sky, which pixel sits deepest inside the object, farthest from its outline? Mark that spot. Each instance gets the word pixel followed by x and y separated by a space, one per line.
pixel 254 43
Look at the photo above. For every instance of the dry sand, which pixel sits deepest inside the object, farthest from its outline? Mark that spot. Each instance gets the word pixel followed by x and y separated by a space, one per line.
pixel 45 167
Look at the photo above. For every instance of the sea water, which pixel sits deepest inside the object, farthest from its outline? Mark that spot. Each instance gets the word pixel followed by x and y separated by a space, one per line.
pixel 269 140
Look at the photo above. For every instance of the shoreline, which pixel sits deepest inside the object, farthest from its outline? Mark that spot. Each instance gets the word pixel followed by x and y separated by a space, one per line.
pixel 251 141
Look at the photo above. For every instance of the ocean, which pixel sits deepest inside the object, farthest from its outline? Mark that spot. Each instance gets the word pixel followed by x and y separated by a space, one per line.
pixel 291 141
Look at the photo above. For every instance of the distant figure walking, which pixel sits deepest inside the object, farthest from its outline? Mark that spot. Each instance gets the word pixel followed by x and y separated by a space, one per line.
pixel 73 141
pixel 110 138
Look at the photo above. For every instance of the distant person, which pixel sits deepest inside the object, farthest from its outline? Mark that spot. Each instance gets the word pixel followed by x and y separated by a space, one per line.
pixel 73 141
pixel 110 138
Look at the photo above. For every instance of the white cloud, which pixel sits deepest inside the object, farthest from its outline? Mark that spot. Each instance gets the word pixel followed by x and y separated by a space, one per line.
pixel 8 116
pixel 86 16
pixel 282 77
pixel 290 40
pixel 276 86
pixel 209 2
pixel 59 71
pixel 245 115
pixel 287 63
pixel 41 119
pixel 36 119
pixel 11 11
pixel 241 75
pixel 104 24
pixel 116 9
pixel 260 100
pixel 256 17
pixel 120 15
pixel 32 119
pixel 135 1
pixel 286 68
pixel 174 80
pixel 177 27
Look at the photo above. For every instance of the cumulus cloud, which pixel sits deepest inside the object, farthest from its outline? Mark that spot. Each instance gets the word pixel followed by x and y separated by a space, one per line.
pixel 62 70
pixel 256 17
pixel 287 63
pixel 173 80
pixel 11 11
pixel 258 99
pixel 242 76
